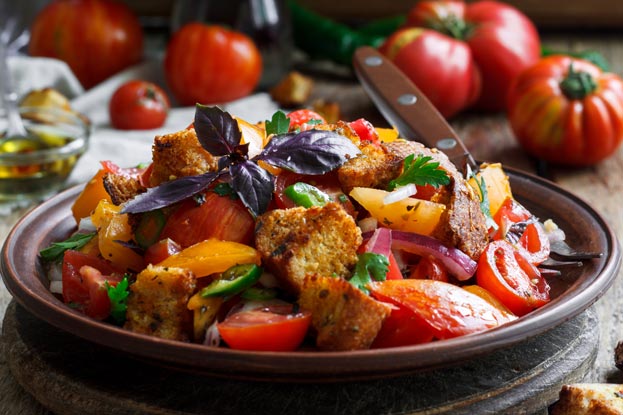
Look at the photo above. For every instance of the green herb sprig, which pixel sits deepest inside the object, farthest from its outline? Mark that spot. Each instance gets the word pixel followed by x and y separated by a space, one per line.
pixel 369 266
pixel 421 171
pixel 56 250
pixel 118 296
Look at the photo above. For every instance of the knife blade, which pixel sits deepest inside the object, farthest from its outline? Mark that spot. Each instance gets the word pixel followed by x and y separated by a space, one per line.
pixel 406 108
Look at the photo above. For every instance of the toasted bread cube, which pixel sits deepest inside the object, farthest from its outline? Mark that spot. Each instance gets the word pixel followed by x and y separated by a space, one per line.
pixel 344 317
pixel 374 167
pixel 589 399
pixel 178 155
pixel 293 90
pixel 157 303
pixel 121 188
pixel 296 242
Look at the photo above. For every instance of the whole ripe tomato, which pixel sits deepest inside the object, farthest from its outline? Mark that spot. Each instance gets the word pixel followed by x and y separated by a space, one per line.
pixel 472 57
pixel 138 105
pixel 567 111
pixel 96 38
pixel 211 64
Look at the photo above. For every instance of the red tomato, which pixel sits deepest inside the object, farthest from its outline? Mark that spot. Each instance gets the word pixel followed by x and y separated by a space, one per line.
pixel 138 105
pixel 403 327
pixel 510 212
pixel 273 328
pixel 507 274
pixel 211 64
pixel 481 48
pixel 535 243
pixel 84 278
pixel 430 268
pixel 446 309
pixel 161 250
pixel 300 118
pixel 328 183
pixel 96 38
pixel 572 118
pixel 217 217
pixel 365 130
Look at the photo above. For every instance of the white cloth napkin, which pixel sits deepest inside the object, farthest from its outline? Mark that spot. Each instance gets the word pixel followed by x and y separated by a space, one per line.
pixel 125 148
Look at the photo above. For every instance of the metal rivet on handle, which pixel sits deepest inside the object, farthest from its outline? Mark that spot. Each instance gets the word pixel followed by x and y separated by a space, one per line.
pixel 373 61
pixel 407 99
pixel 446 143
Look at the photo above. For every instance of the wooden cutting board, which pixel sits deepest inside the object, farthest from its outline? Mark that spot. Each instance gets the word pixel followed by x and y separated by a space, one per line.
pixel 71 376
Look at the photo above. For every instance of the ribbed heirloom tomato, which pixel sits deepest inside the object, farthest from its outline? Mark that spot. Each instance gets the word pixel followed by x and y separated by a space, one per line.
pixel 210 64
pixel 461 55
pixel 96 38
pixel 567 111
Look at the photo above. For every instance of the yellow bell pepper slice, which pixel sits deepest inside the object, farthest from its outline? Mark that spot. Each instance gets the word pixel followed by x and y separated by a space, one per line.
pixel 212 256
pixel 497 183
pixel 204 312
pixel 90 196
pixel 409 214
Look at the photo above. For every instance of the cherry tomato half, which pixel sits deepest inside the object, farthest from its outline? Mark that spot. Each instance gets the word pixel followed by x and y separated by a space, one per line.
pixel 272 328
pixel 138 105
pixel 301 119
pixel 509 276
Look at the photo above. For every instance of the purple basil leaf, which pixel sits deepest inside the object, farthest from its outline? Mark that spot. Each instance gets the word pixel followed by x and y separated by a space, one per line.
pixel 253 184
pixel 170 192
pixel 216 130
pixel 309 152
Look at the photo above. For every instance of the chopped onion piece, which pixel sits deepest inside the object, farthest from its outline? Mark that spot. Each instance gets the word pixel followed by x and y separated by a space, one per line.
pixel 55 272
pixel 553 232
pixel 400 193
pixel 56 287
pixel 368 224
pixel 268 280
pixel 380 242
pixel 212 337
pixel 86 225
pixel 456 261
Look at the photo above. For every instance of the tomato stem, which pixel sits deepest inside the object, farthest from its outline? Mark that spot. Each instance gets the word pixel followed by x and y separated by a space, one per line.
pixel 453 27
pixel 577 84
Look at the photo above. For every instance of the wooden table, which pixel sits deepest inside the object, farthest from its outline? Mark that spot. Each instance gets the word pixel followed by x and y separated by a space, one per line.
pixel 489 138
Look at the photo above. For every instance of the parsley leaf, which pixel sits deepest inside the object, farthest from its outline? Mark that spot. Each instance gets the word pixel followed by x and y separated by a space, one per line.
pixel 421 171
pixel 118 296
pixel 369 265
pixel 56 250
pixel 314 121
pixel 278 124
pixel 484 202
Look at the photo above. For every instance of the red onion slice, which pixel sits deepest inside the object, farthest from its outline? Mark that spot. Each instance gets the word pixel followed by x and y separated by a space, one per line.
pixel 456 261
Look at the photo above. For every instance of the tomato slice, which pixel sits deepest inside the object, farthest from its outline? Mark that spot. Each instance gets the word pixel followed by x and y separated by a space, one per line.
pixel 365 130
pixel 402 327
pixel 430 268
pixel 446 309
pixel 217 217
pixel 535 243
pixel 509 276
pixel 84 277
pixel 161 250
pixel 301 119
pixel 509 212
pixel 272 328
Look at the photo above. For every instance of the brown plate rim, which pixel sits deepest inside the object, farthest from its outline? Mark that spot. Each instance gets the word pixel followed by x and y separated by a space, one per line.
pixel 22 278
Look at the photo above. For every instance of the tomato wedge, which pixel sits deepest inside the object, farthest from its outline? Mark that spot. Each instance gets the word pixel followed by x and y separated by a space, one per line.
pixel 272 328
pixel 509 276
pixel 402 327
pixel 445 309
pixel 535 243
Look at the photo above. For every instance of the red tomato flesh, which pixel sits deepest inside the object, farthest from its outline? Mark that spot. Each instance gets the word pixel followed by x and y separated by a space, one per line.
pixel 510 277
pixel 403 327
pixel 448 310
pixel 272 328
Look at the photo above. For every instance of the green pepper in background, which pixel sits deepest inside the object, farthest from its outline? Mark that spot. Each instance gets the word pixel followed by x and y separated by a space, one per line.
pixel 592 56
pixel 324 38
pixel 306 195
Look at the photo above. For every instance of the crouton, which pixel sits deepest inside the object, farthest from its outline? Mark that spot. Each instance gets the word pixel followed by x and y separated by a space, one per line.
pixel 122 188
pixel 293 90
pixel 374 167
pixel 589 399
pixel 178 155
pixel 157 303
pixel 296 242
pixel 344 317
pixel 462 225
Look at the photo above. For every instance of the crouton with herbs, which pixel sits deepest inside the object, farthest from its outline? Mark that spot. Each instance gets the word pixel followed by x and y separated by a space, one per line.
pixel 122 188
pixel 344 316
pixel 157 303
pixel 374 167
pixel 297 242
pixel 178 155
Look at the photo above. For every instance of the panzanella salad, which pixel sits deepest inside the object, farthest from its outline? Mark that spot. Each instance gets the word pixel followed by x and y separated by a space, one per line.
pixel 296 234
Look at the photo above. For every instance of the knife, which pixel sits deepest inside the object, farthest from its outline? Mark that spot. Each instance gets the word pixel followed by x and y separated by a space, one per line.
pixel 406 108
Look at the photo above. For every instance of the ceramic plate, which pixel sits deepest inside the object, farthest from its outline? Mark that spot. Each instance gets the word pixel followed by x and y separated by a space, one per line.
pixel 572 293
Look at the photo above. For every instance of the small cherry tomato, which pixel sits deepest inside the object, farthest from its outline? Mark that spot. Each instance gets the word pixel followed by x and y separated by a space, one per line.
pixel 429 268
pixel 510 277
pixel 365 130
pixel 301 119
pixel 138 105
pixel 272 328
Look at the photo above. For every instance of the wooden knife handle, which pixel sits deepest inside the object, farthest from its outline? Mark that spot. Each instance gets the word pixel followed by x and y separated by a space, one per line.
pixel 405 107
